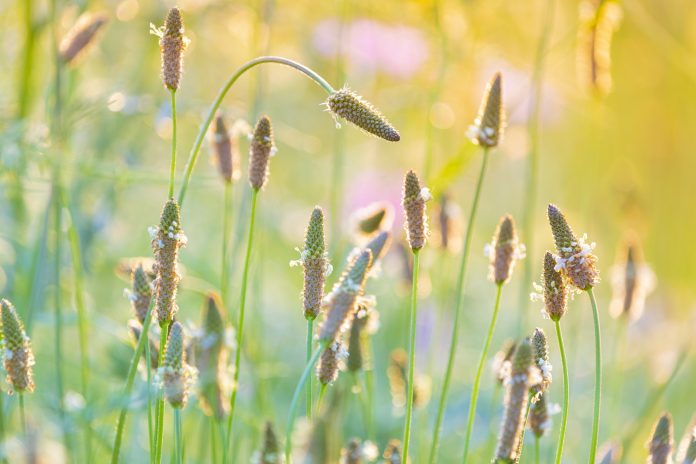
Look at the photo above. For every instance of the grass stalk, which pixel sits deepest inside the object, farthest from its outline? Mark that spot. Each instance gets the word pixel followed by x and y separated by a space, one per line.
pixel 25 79
pixel 536 450
pixel 320 400
pixel 148 370
pixel 22 416
pixel 362 399
pixel 172 164
pixel 566 393
pixel 226 230
pixel 598 378
pixel 178 437
pixel 3 453
pixel 132 369
pixel 457 311
pixel 310 337
pixel 159 425
pixel 411 356
pixel 479 371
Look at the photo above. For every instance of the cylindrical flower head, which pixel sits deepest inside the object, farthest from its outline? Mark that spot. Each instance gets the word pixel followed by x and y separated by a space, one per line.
pixel 225 148
pixel 175 373
pixel 662 442
pixel 270 451
pixel 414 199
pixel 355 340
pixel 379 245
pixel 487 129
pixel 632 280
pixel 316 264
pixel 449 219
pixel 81 36
pixel 345 294
pixel 555 290
pixel 352 453
pixel 211 359
pixel 141 293
pixel 392 453
pixel 172 45
pixel 166 241
pixel 541 357
pixel 516 398
pixel 18 356
pixel 690 455
pixel 373 218
pixel 351 106
pixel 539 420
pixel 599 22
pixel 330 363
pixel 575 259
pixel 260 153
pixel 504 251
pixel 501 360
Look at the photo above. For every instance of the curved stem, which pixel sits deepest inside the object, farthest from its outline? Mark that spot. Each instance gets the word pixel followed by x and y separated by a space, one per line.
pixel 240 317
pixel 457 311
pixel 226 229
pixel 132 369
pixel 310 336
pixel 479 371
pixel 566 393
pixel 411 356
pixel 172 164
pixel 598 378
pixel 159 425
pixel 296 397
pixel 178 438
pixel 195 150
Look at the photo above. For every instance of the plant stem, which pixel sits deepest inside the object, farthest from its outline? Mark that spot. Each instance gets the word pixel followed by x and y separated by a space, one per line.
pixel 479 371
pixel 457 311
pixel 172 165
pixel 411 356
pixel 159 426
pixel 28 58
pixel 310 337
pixel 566 393
pixel 296 397
pixel 3 454
pixel 226 229
pixel 148 369
pixel 195 150
pixel 598 378
pixel 132 369
pixel 536 450
pixel 22 416
pixel 357 386
pixel 320 400
pixel 240 317
pixel 178 439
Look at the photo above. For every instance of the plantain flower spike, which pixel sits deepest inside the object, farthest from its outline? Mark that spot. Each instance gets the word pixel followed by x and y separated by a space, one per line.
pixel 352 107
pixel 539 420
pixel 553 291
pixel 690 453
pixel 81 36
pixel 314 259
pixel 172 43
pixel 373 218
pixel 414 198
pixel 18 355
pixel 262 148
pixel 631 280
pixel 541 357
pixel 166 241
pixel 270 452
pixel 225 149
pixel 176 374
pixel 501 360
pixel 504 251
pixel 140 294
pixel 331 362
pixel 211 359
pixel 392 452
pixel 575 258
pixel 661 444
pixel 488 127
pixel 379 245
pixel 599 22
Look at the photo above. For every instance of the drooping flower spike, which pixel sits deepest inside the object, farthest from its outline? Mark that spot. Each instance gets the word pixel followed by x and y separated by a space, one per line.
pixel 352 107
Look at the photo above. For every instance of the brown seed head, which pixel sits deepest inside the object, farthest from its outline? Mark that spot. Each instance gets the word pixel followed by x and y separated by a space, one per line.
pixel 316 264
pixel 351 106
pixel 487 129
pixel 449 218
pixel 330 363
pixel 211 359
pixel 690 455
pixel 662 442
pixel 270 451
pixel 355 342
pixel 172 45
pixel 352 453
pixel 225 148
pixel 501 360
pixel 175 373
pixel 414 198
pixel 539 420
pixel 82 35
pixel 392 452
pixel 166 241
pixel 599 22
pixel 379 245
pixel 260 153
pixel 609 453
pixel 505 251
pixel 541 357
pixel 18 357
pixel 141 293
pixel 373 218
pixel 554 290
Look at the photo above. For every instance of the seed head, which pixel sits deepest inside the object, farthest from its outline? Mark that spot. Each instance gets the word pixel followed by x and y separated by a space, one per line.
pixel 352 453
pixel 379 245
pixel 487 129
pixel 316 265
pixel 392 452
pixel 599 22
pixel 414 199
pixel 330 363
pixel 270 450
pixel 82 35
pixel 211 359
pixel 554 292
pixel 662 442
pixel 501 360
pixel 141 293
pixel 166 241
pixel 225 148
pixel 541 357
pixel 172 43
pixel 348 105
pixel 575 260
pixel 632 280
pixel 373 218
pixel 504 251
pixel 18 355
pixel 176 375
pixel 355 342
pixel 690 455
pixel 539 420
pixel 449 218
pixel 516 398
pixel 609 453
pixel 136 329
pixel 260 153
pixel 344 296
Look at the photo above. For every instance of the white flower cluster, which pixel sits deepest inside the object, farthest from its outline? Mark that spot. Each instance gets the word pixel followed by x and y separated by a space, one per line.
pixel 479 135
pixel 576 253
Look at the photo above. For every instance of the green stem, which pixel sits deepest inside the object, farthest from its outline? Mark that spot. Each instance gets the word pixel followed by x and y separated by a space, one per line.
pixel 172 164
pixel 479 371
pixel 320 400
pixel 195 150
pixel 178 438
pixel 25 76
pixel 358 388
pixel 457 311
pixel 148 370
pixel 226 229
pixel 370 388
pixel 411 356
pixel 22 416
pixel 296 397
pixel 310 339
pixel 3 453
pixel 220 432
pixel 240 317
pixel 566 393
pixel 132 369
pixel 159 425
pixel 598 378
pixel 536 450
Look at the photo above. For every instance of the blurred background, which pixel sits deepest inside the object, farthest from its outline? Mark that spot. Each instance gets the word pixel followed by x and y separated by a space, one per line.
pixel 612 131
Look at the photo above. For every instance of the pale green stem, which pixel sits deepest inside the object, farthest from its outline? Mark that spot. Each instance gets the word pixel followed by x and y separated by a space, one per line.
pixel 22 416
pixel 360 391
pixel 178 438
pixel 370 388
pixel 310 338
pixel 566 393
pixel 479 371
pixel 159 432
pixel 240 317
pixel 411 356
pixel 457 311
pixel 598 378
pixel 220 432
pixel 25 86
pixel 195 150
pixel 148 370
pixel 3 452
pixel 536 450
pixel 132 369
pixel 226 229
pixel 320 400
pixel 172 165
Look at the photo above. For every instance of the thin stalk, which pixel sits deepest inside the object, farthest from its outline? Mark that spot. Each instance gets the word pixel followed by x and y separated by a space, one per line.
pixel 172 164
pixel 566 393
pixel 536 450
pixel 148 370
pixel 411 356
pixel 310 337
pixel 221 435
pixel 296 397
pixel 195 150
pixel 28 58
pixel 320 400
pixel 457 311
pixel 240 317
pixel 358 388
pixel 598 378
pixel 370 388
pixel 226 229
pixel 37 264
pixel 178 438
pixel 132 369
pixel 159 432
pixel 22 416
pixel 479 371
pixel 3 457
